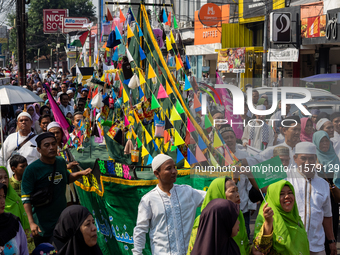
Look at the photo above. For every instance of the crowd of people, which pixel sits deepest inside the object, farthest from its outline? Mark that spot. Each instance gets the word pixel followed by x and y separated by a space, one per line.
pixel 297 215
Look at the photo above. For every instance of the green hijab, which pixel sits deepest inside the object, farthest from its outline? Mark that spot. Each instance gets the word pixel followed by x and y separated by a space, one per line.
pixel 289 235
pixel 14 204
pixel 261 101
pixel 217 190
pixel 42 97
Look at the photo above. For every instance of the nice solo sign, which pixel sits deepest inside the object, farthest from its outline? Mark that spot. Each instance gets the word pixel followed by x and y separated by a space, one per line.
pixel 53 20
pixel 238 100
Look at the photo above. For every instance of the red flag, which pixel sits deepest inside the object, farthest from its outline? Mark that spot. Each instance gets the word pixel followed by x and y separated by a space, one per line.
pixel 180 59
pixel 169 20
pixel 108 15
pixel 121 16
pixel 83 37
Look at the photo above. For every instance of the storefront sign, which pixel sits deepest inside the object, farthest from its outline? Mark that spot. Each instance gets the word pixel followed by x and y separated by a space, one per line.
pixel 331 28
pixel 210 15
pixel 283 55
pixel 280 27
pixel 53 20
pixel 313 27
pixel 232 60
pixel 71 24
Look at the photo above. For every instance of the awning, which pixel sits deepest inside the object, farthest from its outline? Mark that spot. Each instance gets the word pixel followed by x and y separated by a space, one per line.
pixel 323 77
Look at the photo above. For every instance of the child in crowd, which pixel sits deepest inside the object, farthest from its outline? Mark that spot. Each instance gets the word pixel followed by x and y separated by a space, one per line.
pixel 18 165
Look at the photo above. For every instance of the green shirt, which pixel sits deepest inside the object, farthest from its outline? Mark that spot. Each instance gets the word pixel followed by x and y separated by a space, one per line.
pixel 16 185
pixel 37 176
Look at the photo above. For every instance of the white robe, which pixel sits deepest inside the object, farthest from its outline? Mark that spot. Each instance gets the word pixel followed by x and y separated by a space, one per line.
pixel 169 219
pixel 29 150
pixel 257 141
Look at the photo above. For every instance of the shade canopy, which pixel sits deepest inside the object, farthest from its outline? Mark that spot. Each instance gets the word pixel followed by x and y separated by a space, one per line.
pixel 17 95
pixel 327 77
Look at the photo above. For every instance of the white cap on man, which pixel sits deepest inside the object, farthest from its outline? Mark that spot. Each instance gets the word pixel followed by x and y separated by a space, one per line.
pixel 159 160
pixel 305 148
pixel 24 114
pixel 52 125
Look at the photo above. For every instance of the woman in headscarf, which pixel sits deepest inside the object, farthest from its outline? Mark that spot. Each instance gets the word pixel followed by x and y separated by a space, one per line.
pixel 223 188
pixel 263 101
pixel 15 206
pixel 218 225
pixel 329 160
pixel 278 226
pixel 315 113
pixel 44 97
pixel 37 108
pixel 306 134
pixel 76 232
pixel 34 115
pixel 12 236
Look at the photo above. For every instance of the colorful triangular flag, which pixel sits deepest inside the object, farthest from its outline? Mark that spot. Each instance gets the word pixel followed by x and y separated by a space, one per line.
pixel 191 127
pixel 178 65
pixel 186 164
pixel 165 18
pixel 136 116
pixel 141 93
pixel 115 55
pixel 217 141
pixel 187 85
pixel 133 133
pixel 144 151
pixel 139 143
pixel 173 148
pixel 179 156
pixel 118 35
pixel 187 63
pixel 179 107
pixel 191 158
pixel 168 88
pixel 125 96
pixel 228 159
pixel 140 32
pixel 149 160
pixel 148 138
pixel 174 115
pixel 129 32
pixel 121 16
pixel 129 56
pixel 201 143
pixel 175 23
pixel 108 15
pixel 155 145
pixel 180 59
pixel 178 139
pixel 213 160
pixel 207 123
pixel 126 121
pixel 200 155
pixel 141 78
pixel 197 103
pixel 154 103
pixel 141 53
pixel 166 137
pixel 161 92
pixel 151 72
pixel 168 44
pixel 172 38
pixel 168 124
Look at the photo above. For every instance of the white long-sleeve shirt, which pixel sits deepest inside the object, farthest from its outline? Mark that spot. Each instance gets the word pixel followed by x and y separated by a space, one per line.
pixel 28 150
pixel 257 141
pixel 66 109
pixel 169 219
pixel 312 197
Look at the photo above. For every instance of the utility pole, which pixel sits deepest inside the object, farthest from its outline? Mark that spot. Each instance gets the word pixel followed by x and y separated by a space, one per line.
pixel 23 22
pixel 57 53
pixel 19 42
pixel 264 58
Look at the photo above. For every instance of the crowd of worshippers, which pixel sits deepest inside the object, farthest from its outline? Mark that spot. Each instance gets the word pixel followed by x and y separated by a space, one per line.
pixel 298 215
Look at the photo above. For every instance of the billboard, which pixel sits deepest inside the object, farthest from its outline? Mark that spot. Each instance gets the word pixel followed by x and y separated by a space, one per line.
pixel 232 60
pixel 71 24
pixel 312 27
pixel 53 20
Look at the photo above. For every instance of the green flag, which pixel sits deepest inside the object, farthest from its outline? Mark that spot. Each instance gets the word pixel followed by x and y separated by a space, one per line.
pixel 268 172
pixel 154 103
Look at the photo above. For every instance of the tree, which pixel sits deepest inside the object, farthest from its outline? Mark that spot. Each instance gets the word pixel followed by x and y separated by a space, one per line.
pixel 35 37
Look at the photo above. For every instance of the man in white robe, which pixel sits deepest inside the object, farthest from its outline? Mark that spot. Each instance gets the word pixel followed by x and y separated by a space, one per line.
pixel 258 134
pixel 312 195
pixel 28 150
pixel 167 212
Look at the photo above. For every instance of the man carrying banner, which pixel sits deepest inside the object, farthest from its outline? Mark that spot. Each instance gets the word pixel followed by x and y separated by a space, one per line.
pixel 168 211
pixel 313 199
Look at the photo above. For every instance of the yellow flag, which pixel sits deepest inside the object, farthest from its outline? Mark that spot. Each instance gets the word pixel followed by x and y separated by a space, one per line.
pixel 133 133
pixel 186 164
pixel 213 161
pixel 148 137
pixel 136 117
pixel 168 88
pixel 168 44
pixel 103 78
pixel 107 49
pixel 174 115
pixel 141 78
pixel 129 31
pixel 125 96
pixel 178 65
pixel 217 141
pixel 144 151
pixel 178 139
pixel 151 73
pixel 172 38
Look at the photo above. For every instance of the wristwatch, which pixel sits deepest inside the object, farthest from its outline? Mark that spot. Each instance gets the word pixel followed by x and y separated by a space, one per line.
pixel 331 241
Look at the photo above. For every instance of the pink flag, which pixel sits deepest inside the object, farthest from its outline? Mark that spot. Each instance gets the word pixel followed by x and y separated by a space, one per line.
pixel 190 126
pixel 126 121
pixel 161 92
pixel 228 104
pixel 199 155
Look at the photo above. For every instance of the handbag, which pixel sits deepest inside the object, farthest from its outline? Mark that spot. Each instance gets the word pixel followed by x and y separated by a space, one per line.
pixel 44 196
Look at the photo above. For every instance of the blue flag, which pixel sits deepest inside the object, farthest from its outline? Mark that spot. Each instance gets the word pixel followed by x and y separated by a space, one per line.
pixel 115 55
pixel 141 53
pixel 165 18
pixel 118 35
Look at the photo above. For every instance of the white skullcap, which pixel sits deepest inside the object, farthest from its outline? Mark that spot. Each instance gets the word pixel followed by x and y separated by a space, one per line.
pixel 24 114
pixel 52 125
pixel 320 123
pixel 159 160
pixel 261 107
pixel 305 148
pixel 69 91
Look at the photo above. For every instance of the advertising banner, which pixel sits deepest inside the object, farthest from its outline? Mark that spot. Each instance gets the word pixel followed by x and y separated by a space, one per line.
pixel 284 55
pixel 313 27
pixel 53 20
pixel 232 60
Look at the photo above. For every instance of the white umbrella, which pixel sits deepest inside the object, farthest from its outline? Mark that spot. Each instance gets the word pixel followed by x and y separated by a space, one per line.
pixel 17 95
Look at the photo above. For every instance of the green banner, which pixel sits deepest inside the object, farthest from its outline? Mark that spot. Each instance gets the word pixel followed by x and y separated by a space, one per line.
pixel 269 172
pixel 115 207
